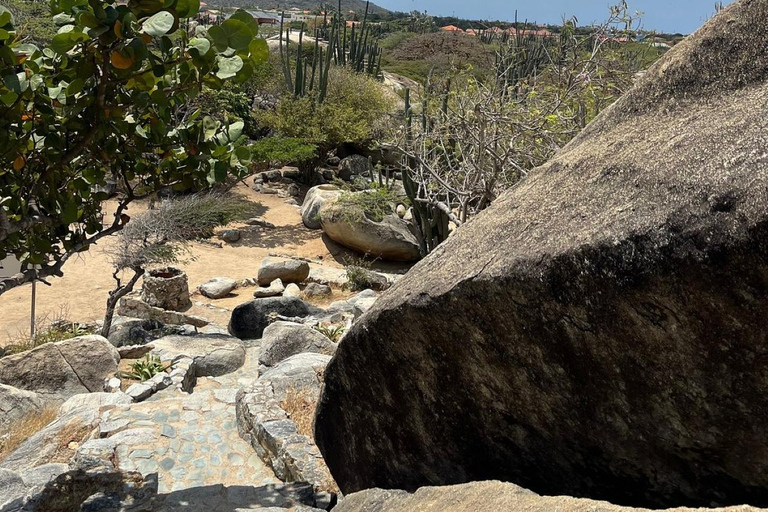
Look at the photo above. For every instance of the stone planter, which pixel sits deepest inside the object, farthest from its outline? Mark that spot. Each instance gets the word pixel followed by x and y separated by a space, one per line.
pixel 166 288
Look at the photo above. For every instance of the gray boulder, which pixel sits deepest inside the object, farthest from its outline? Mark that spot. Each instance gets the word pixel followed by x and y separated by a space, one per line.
pixel 249 320
pixel 60 370
pixel 302 371
pixel 315 290
pixel 600 329
pixel 93 401
pixel 218 287
pixel 17 403
pixel 288 271
pixel 230 236
pixel 126 332
pixel 353 166
pixel 274 289
pixel 213 354
pixel 390 239
pixel 314 200
pixel 292 290
pixel 282 340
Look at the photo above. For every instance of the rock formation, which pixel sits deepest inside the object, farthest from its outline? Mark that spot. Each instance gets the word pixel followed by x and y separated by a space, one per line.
pixel 599 331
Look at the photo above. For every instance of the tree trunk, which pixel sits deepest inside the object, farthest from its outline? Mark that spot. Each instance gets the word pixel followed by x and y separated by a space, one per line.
pixel 115 295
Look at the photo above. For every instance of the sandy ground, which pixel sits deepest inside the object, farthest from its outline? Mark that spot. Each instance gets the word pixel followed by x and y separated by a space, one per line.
pixel 82 292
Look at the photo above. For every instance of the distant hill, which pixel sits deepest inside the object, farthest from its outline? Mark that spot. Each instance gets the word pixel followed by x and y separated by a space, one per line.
pixel 346 5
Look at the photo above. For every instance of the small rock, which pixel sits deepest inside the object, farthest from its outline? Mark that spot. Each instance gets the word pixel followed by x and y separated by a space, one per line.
pixel 218 288
pixel 258 221
pixel 401 211
pixel 112 385
pixel 268 191
pixel 139 392
pixel 314 290
pixel 273 175
pixel 275 288
pixel 291 172
pixel 293 190
pixel 292 290
pixel 230 236
pixel 292 202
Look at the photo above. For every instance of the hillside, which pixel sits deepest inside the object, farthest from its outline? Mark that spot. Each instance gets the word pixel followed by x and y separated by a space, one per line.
pixel 354 5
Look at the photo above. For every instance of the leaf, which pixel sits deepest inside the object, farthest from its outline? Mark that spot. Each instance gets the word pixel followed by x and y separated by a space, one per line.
pixel 19 162
pixel 62 43
pixel 75 87
pixel 187 8
pixel 229 66
pixel 159 24
pixel 69 213
pixel 218 37
pixel 61 19
pixel 121 61
pixel 239 35
pixel 259 51
pixel 250 22
pixel 210 126
pixel 200 44
pixel 17 83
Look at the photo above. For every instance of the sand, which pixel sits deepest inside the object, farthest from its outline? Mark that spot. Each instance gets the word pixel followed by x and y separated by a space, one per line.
pixel 82 292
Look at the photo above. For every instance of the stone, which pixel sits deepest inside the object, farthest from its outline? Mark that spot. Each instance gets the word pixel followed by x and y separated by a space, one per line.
pixel 112 385
pixel 133 306
pixel 368 279
pixel 352 166
pixel 139 391
pixel 390 239
pixel 93 401
pixel 361 306
pixel 315 290
pixel 218 287
pixel 282 340
pixel 166 288
pixel 401 211
pixel 288 271
pixel 323 274
pixel 213 354
pixel 274 289
pixel 230 236
pixel 293 190
pixel 274 175
pixel 12 490
pixel 60 370
pixel 314 200
pixel 132 331
pixel 249 320
pixel 490 496
pixel 16 404
pixel 292 290
pixel 291 172
pixel 134 351
pixel 258 221
pixel 599 330
pixel 302 371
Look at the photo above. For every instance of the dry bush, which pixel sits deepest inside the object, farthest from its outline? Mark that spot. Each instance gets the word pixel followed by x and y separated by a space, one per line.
pixel 24 428
pixel 69 439
pixel 300 404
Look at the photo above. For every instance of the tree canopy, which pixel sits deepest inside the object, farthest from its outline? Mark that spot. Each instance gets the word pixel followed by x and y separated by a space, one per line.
pixel 106 104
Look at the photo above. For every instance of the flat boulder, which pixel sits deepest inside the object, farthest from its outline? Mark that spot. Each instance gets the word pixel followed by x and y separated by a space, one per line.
pixel 288 271
pixel 315 199
pixel 57 371
pixel 213 354
pixel 282 340
pixel 599 331
pixel 388 239
pixel 249 320
pixel 302 371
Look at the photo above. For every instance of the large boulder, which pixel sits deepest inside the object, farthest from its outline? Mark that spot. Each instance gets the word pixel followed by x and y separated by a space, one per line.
pixel 249 320
pixel 126 332
pixel 282 340
pixel 288 271
pixel 314 200
pixel 299 372
pixel 17 403
pixel 599 331
pixel 485 496
pixel 389 239
pixel 214 354
pixel 60 370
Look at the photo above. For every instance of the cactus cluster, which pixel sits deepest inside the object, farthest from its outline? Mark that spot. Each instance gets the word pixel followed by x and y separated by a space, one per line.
pixel 358 50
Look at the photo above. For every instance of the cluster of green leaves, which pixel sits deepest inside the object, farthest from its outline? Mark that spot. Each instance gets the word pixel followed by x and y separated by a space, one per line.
pixel 332 332
pixel 145 369
pixel 282 150
pixel 108 100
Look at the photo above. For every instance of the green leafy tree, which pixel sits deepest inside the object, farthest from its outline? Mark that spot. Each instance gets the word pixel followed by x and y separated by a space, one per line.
pixel 107 103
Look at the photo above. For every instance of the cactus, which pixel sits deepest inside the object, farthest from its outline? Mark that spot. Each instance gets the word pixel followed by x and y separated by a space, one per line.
pixel 307 74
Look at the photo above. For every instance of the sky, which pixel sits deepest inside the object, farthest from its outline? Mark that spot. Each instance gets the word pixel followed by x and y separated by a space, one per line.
pixel 670 16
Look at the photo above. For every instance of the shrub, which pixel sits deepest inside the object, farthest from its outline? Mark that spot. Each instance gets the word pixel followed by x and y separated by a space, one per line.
pixel 51 328
pixel 24 428
pixel 374 204
pixel 147 368
pixel 332 332
pixel 282 150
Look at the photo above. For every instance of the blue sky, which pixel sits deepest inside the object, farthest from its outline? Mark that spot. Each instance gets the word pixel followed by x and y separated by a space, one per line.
pixel 671 16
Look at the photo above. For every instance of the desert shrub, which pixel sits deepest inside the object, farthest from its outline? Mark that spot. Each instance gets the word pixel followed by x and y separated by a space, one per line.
pixel 332 332
pixel 24 428
pixel 50 329
pixel 351 112
pixel 360 276
pixel 374 203
pixel 282 150
pixel 300 404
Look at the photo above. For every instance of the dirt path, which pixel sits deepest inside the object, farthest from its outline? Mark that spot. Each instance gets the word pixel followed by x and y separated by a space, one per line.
pixel 83 291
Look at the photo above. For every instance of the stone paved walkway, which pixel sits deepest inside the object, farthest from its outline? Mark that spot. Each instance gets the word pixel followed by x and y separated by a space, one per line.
pixel 197 442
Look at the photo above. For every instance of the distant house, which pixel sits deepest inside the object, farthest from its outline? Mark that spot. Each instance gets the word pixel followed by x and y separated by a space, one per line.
pixel 541 32
pixel 472 32
pixel 452 28
pixel 265 18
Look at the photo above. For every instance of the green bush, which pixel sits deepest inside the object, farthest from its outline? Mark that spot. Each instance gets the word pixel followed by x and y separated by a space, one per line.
pixel 147 368
pixel 282 150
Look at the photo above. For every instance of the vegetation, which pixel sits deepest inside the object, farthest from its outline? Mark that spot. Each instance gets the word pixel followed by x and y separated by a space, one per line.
pixel 374 203
pixel 107 101
pixel 332 332
pixel 160 237
pixel 145 369
pixel 24 428
pixel 50 329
